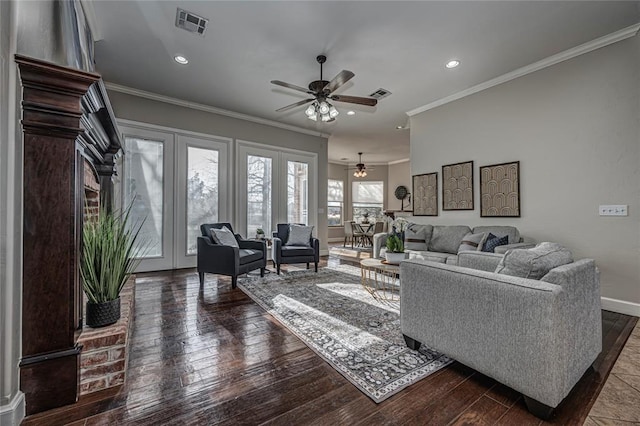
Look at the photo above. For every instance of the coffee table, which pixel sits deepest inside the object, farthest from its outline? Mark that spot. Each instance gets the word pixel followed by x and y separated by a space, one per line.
pixel 381 279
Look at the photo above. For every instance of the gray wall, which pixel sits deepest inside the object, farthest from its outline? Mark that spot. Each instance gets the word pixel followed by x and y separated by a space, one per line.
pixel 399 174
pixel 575 129
pixel 169 115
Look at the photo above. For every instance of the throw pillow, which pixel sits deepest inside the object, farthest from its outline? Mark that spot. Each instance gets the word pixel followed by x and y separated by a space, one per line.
pixel 471 242
pixel 224 236
pixel 534 263
pixel 416 237
pixel 491 244
pixel 299 235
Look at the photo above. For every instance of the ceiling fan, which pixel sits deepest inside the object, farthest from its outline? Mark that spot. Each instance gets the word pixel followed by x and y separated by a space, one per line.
pixel 360 168
pixel 322 90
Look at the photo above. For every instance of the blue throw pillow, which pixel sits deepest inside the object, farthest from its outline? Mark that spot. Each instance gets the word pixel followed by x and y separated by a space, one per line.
pixel 491 243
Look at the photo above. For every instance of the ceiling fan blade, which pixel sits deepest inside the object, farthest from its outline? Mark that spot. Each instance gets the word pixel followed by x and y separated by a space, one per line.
pixel 302 102
pixel 340 79
pixel 291 86
pixel 355 100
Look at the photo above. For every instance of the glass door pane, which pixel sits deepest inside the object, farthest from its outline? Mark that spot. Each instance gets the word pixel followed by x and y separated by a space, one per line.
pixel 259 187
pixel 143 190
pixel 297 192
pixel 202 192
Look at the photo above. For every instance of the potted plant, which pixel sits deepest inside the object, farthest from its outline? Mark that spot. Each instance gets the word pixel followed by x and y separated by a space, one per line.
pixel 259 234
pixel 395 249
pixel 109 257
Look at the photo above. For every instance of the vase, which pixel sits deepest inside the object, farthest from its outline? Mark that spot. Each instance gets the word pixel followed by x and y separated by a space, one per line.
pixel 103 314
pixel 395 258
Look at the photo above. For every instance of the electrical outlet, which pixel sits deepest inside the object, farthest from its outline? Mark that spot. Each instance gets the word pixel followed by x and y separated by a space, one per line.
pixel 614 210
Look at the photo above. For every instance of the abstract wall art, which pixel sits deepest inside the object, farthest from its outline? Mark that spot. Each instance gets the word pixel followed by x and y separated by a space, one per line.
pixel 425 194
pixel 500 190
pixel 457 186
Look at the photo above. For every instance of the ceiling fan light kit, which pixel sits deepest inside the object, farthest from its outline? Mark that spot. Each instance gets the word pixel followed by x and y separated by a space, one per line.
pixel 321 90
pixel 361 169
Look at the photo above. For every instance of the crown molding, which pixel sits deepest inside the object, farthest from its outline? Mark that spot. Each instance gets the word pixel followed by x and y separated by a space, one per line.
pixel 207 108
pixel 402 160
pixel 587 47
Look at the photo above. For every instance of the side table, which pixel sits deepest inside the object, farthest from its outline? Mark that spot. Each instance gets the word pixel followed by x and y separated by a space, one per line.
pixel 381 279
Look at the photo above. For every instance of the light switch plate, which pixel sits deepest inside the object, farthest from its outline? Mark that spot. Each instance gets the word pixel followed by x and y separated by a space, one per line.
pixel 614 210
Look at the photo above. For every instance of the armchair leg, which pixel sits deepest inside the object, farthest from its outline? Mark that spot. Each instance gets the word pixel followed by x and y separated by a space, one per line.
pixel 201 276
pixel 234 281
pixel 307 265
pixel 316 263
pixel 262 272
pixel 278 269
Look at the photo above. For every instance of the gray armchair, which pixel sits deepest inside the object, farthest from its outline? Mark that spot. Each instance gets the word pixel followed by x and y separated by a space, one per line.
pixel 227 260
pixel 281 253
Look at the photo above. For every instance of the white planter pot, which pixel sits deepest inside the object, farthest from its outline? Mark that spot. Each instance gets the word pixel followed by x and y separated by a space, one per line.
pixel 395 258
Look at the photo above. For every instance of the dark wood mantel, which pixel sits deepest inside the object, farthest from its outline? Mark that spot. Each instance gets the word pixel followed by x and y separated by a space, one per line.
pixel 51 292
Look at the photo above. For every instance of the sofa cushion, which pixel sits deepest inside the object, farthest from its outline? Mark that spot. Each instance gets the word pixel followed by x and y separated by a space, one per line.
pixel 492 242
pixel 248 256
pixel 223 236
pixel 292 251
pixel 446 239
pixel 500 231
pixel 417 237
pixel 534 263
pixel 432 256
pixel 299 235
pixel 472 242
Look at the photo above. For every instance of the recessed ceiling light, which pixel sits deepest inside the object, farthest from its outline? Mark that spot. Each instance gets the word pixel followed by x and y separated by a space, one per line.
pixel 452 64
pixel 399 127
pixel 351 113
pixel 181 59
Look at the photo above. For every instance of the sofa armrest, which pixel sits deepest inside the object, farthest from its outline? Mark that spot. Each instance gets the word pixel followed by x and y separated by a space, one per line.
pixel 276 247
pixel 253 245
pixel 379 241
pixel 503 249
pixel 315 244
pixel 480 260
pixel 216 258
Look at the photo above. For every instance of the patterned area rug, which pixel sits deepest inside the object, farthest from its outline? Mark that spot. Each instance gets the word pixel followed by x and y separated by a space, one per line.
pixel 336 317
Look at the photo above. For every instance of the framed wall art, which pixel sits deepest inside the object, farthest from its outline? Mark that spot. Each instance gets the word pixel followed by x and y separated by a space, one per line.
pixel 425 194
pixel 457 186
pixel 500 190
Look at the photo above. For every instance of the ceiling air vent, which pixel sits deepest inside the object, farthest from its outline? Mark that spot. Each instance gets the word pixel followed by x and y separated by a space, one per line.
pixel 380 93
pixel 191 22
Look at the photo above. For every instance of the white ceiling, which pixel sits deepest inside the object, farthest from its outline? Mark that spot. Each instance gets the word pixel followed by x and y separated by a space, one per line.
pixel 399 46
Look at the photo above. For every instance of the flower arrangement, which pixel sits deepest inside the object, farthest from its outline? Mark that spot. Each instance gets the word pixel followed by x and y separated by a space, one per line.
pixel 400 224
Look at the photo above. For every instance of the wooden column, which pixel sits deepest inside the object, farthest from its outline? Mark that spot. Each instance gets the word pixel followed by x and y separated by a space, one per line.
pixel 51 293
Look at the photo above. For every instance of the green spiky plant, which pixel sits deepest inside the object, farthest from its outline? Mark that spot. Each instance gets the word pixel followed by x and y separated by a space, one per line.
pixel 395 244
pixel 109 255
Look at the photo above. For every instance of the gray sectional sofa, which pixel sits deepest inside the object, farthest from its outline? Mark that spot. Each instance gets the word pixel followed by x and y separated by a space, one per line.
pixel 536 332
pixel 441 243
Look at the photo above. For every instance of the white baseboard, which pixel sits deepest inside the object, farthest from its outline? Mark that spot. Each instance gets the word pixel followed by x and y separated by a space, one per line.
pixel 335 240
pixel 620 306
pixel 13 413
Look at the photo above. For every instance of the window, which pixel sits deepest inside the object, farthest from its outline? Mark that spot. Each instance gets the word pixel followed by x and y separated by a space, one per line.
pixel 335 202
pixel 368 198
pixel 297 201
pixel 258 193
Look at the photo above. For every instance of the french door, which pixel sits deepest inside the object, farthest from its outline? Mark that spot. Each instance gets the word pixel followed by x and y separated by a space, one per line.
pixel 174 183
pixel 274 186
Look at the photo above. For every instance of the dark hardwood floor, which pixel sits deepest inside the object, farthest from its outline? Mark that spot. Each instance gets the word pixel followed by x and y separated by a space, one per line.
pixel 212 356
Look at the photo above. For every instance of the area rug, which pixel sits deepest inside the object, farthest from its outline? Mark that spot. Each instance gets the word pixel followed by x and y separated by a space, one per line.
pixel 336 317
